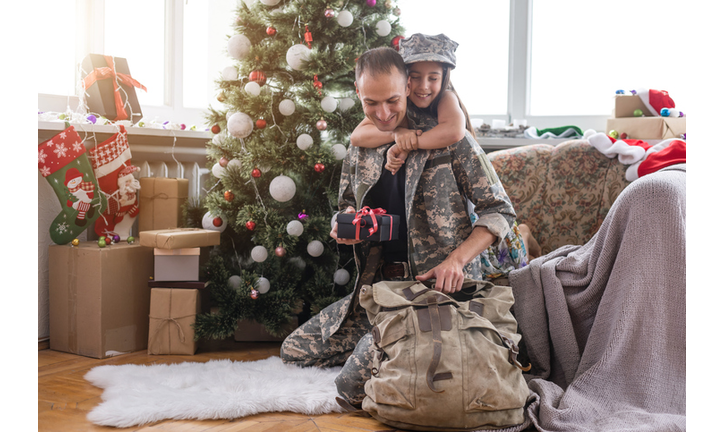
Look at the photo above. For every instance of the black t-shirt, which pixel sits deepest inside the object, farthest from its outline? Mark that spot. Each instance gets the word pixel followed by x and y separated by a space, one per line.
pixel 389 193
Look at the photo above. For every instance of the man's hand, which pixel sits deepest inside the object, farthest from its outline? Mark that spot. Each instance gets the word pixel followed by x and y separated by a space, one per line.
pixel 448 275
pixel 395 158
pixel 333 233
pixel 407 139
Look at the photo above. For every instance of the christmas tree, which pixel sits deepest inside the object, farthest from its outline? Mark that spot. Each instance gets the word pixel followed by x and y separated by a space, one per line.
pixel 275 157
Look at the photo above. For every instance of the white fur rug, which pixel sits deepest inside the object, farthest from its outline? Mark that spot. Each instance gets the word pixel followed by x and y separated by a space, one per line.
pixel 138 394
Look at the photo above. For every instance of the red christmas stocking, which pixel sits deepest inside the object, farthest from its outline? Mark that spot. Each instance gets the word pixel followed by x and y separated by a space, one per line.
pixel 63 161
pixel 111 161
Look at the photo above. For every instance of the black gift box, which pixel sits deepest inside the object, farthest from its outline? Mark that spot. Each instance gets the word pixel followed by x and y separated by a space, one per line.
pixel 100 96
pixel 388 227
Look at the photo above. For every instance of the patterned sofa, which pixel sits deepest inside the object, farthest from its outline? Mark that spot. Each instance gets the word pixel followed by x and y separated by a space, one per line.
pixel 561 192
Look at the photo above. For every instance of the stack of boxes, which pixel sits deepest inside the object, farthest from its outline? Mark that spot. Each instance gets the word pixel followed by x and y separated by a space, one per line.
pixel 648 126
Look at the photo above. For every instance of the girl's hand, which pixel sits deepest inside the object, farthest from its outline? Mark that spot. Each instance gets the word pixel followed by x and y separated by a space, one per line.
pixel 395 158
pixel 407 139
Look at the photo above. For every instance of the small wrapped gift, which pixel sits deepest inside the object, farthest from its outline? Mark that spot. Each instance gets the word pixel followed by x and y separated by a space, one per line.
pixel 109 89
pixel 368 224
pixel 179 238
pixel 172 317
pixel 161 203
pixel 176 264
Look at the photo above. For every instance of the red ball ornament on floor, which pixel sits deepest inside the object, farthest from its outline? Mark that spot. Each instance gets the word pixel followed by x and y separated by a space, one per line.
pixel 256 173
pixel 280 251
pixel 215 129
pixel 260 124
pixel 321 125
pixel 218 221
pixel 318 167
pixel 271 31
pixel 258 77
pixel 229 196
pixel 250 225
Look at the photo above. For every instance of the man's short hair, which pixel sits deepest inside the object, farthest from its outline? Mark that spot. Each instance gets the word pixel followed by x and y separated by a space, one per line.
pixel 379 61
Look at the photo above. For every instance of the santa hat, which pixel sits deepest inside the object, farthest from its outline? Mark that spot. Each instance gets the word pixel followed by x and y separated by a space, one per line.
pixel 128 170
pixel 663 154
pixel 655 100
pixel 629 151
pixel 71 174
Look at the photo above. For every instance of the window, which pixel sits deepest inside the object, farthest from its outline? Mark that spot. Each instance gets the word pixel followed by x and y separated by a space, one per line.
pixel 56 23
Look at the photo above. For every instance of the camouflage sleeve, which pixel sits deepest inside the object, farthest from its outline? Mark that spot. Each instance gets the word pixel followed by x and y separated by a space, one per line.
pixel 479 182
pixel 345 197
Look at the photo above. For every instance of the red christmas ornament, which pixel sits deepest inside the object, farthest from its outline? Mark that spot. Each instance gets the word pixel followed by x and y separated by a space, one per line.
pixel 217 221
pixel 215 129
pixel 308 36
pixel 624 135
pixel 318 167
pixel 260 124
pixel 329 13
pixel 396 42
pixel 258 77
pixel 271 31
pixel 317 83
pixel 280 251
pixel 223 162
pixel 256 173
pixel 322 125
pixel 229 196
pixel 254 294
pixel 250 225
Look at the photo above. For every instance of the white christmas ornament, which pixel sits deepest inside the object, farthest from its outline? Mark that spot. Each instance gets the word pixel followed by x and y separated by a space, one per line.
pixel 234 281
pixel 339 151
pixel 259 254
pixel 315 248
pixel 298 56
pixel 383 28
pixel 329 104
pixel 345 18
pixel 287 107
pixel 240 125
pixel 263 285
pixel 239 46
pixel 228 115
pixel 217 139
pixel 304 141
pixel 282 188
pixel 270 2
pixel 217 170
pixel 230 73
pixel 252 88
pixel 341 277
pixel 295 228
pixel 236 163
pixel 345 104
pixel 207 222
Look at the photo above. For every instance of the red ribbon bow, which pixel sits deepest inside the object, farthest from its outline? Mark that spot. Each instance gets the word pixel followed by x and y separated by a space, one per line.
pixel 366 211
pixel 110 72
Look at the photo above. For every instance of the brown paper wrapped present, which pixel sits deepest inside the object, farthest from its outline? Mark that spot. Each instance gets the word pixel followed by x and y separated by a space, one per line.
pixel 161 203
pixel 179 238
pixel 173 314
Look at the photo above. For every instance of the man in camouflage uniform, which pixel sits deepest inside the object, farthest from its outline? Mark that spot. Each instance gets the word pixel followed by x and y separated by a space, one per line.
pixel 442 242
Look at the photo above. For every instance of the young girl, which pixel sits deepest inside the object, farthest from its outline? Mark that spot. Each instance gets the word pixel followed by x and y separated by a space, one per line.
pixel 429 60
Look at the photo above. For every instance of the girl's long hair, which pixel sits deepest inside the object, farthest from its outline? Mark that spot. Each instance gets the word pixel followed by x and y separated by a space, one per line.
pixel 447 85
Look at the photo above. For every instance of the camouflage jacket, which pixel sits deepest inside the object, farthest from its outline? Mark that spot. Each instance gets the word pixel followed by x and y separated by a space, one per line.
pixel 440 184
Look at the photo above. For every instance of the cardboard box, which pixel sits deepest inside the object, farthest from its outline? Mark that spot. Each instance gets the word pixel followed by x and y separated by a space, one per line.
pixel 172 317
pixel 99 300
pixel 161 203
pixel 252 331
pixel 625 105
pixel 176 264
pixel 101 90
pixel 388 227
pixel 180 238
pixel 203 287
pixel 644 128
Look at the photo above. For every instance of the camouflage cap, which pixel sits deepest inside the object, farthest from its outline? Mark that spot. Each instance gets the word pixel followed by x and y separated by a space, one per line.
pixel 420 47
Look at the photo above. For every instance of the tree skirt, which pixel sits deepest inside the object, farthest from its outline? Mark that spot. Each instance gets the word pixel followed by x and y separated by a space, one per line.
pixel 217 389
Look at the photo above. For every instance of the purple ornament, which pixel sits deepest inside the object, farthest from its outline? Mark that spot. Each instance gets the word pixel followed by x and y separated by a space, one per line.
pixel 183 126
pixel 116 238
pixel 371 2
pixel 633 92
pixel 302 216
pixel 91 118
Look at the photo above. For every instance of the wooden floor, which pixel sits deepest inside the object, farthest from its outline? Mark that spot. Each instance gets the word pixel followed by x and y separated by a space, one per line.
pixel 65 398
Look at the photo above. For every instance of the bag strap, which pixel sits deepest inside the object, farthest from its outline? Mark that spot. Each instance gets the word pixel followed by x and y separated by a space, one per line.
pixel 433 307
pixel 513 352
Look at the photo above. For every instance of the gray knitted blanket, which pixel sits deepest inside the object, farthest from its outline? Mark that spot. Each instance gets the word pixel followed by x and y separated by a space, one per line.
pixel 605 323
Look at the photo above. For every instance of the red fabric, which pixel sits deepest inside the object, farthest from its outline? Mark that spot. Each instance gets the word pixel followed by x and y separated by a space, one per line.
pixel 639 143
pixel 116 77
pixel 59 151
pixel 660 99
pixel 673 154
